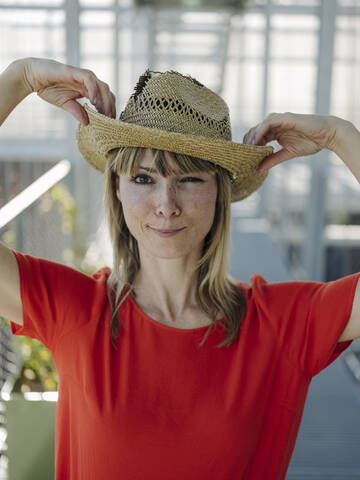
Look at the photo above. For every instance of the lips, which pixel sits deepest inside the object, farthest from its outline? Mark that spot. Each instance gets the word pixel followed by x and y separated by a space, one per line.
pixel 167 231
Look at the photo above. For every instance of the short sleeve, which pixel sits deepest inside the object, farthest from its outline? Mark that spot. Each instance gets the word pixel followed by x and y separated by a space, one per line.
pixel 55 298
pixel 307 317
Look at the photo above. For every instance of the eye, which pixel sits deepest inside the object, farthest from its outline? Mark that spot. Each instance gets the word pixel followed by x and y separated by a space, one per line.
pixel 143 179
pixel 147 180
pixel 192 179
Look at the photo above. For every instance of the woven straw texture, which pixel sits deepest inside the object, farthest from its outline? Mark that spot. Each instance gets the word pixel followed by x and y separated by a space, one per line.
pixel 176 113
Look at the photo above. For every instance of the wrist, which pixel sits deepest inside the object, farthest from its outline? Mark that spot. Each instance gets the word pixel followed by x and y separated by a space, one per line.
pixel 343 136
pixel 18 70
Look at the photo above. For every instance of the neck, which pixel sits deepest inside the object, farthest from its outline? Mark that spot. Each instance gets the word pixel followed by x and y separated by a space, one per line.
pixel 167 286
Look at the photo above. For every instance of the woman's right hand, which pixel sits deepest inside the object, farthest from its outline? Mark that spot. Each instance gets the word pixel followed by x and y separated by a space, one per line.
pixel 61 84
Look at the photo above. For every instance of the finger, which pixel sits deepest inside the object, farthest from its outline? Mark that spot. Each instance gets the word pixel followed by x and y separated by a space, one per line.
pixel 107 106
pixel 77 111
pixel 113 105
pixel 269 136
pixel 263 129
pixel 279 157
pixel 263 134
pixel 272 126
pixel 248 136
pixel 89 81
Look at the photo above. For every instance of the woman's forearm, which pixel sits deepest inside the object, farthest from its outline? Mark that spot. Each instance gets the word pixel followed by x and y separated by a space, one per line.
pixel 12 88
pixel 347 146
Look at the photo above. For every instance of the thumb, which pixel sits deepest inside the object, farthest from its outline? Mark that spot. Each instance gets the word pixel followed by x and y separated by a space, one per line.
pixel 77 111
pixel 274 159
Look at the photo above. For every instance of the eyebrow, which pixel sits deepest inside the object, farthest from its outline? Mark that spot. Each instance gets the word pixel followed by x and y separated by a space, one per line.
pixel 154 170
pixel 148 169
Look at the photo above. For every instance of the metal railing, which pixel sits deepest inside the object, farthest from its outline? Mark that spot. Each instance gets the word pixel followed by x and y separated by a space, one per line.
pixel 10 360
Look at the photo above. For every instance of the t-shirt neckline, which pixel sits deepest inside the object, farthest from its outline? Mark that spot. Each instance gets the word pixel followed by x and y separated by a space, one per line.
pixel 166 327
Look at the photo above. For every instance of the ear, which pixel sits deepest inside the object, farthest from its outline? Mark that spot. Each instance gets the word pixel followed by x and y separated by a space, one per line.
pixel 117 188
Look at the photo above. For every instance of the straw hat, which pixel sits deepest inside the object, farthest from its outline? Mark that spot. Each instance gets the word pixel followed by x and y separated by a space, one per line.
pixel 174 112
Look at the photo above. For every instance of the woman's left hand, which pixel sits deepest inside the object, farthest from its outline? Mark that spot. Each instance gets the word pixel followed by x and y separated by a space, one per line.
pixel 298 134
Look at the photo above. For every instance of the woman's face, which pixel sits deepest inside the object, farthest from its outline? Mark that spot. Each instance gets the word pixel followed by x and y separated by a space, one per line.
pixel 183 202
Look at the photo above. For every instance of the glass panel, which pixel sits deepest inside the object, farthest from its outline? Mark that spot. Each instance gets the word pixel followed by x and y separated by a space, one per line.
pixel 246 44
pixel 97 41
pixel 28 33
pixel 243 89
pixel 186 43
pixel 348 22
pixel 292 87
pixel 200 17
pixel 127 82
pixel 294 22
pixel 345 100
pixel 96 3
pixel 249 20
pixel 97 18
pixel 346 45
pixel 25 33
pixel 298 3
pixel 103 68
pixel 293 45
pixel 43 3
pixel 348 3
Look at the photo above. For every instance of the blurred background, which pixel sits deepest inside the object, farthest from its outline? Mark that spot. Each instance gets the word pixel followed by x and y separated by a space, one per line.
pixel 261 56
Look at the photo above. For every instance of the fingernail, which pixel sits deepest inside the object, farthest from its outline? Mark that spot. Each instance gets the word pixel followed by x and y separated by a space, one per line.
pixel 100 107
pixel 95 100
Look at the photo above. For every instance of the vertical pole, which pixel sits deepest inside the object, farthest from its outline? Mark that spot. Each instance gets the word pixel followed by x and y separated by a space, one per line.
pixel 116 59
pixel 152 30
pixel 264 191
pixel 314 246
pixel 72 49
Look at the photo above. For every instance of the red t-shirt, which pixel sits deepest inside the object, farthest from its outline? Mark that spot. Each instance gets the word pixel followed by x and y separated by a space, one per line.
pixel 160 407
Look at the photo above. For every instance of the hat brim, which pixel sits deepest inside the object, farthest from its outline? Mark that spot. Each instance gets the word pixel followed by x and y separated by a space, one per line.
pixel 103 134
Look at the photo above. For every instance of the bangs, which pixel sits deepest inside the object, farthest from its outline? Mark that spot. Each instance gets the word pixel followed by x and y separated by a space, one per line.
pixel 126 161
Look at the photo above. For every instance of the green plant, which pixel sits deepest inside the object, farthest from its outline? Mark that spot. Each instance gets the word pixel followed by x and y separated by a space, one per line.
pixel 39 372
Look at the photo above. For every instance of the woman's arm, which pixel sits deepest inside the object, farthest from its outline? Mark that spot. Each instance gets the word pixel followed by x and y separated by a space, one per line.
pixel 302 135
pixel 12 88
pixel 347 146
pixel 56 83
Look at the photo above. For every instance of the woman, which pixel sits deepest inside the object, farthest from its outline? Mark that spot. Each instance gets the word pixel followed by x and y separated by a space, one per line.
pixel 168 368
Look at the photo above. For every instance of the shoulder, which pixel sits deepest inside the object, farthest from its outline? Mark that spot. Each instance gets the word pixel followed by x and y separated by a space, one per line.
pixel 271 297
pixel 102 274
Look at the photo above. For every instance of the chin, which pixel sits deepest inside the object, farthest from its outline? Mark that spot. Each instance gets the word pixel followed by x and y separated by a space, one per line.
pixel 169 255
pixel 168 251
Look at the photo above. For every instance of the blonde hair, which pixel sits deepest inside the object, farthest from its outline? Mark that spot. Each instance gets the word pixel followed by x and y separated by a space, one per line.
pixel 216 290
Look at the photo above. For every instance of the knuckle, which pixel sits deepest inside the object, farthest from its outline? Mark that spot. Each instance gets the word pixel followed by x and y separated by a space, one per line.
pixel 90 74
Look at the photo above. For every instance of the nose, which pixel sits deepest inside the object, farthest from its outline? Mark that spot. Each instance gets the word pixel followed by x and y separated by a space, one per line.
pixel 167 205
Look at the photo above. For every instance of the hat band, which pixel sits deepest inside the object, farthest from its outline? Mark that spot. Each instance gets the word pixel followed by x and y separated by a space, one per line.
pixel 174 115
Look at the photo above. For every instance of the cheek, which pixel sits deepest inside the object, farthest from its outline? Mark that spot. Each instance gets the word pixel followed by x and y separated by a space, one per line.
pixel 132 200
pixel 206 199
pixel 132 197
pixel 134 206
pixel 202 207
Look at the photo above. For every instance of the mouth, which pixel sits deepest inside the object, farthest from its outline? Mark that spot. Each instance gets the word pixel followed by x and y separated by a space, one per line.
pixel 166 232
